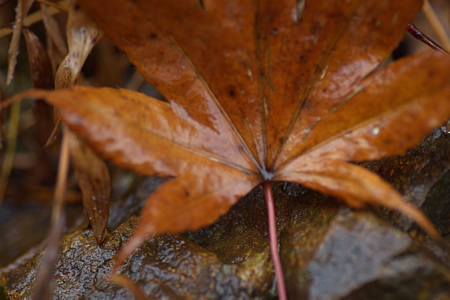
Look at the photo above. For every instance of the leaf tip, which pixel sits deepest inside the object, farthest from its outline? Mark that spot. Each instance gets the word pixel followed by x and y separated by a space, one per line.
pixel 420 218
pixel 99 234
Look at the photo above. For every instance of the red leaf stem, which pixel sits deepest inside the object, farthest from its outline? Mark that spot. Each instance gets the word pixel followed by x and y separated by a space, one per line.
pixel 267 186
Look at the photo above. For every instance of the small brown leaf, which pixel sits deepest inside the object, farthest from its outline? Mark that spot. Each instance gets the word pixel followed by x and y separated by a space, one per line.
pixel 40 67
pixel 42 77
pixel 95 183
pixel 82 35
pixel 65 77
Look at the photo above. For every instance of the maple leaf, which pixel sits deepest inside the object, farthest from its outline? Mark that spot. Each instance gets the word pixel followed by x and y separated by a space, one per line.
pixel 258 91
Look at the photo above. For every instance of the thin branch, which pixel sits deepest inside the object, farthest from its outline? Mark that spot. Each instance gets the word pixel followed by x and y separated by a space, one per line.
pixel 27 21
pixel 22 9
pixel 48 261
pixel 56 5
pixel 11 139
pixel 415 32
pixel 436 25
pixel 135 82
pixel 267 186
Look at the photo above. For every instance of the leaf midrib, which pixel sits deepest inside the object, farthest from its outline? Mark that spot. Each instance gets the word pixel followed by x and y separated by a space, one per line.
pixel 239 137
pixel 384 114
pixel 312 82
pixel 195 151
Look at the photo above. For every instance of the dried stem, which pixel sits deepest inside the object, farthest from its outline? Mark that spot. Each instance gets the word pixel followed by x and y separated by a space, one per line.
pixel 267 186
pixel 136 81
pixel 48 262
pixel 28 21
pixel 62 8
pixel 23 6
pixel 436 25
pixel 11 139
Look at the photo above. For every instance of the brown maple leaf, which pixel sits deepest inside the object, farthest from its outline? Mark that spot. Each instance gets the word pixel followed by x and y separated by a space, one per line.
pixel 258 91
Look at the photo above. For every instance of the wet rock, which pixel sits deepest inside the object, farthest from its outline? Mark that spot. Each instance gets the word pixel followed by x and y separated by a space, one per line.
pixel 168 267
pixel 356 255
pixel 437 204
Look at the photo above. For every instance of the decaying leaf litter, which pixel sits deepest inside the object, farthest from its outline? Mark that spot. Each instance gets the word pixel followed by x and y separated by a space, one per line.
pixel 235 156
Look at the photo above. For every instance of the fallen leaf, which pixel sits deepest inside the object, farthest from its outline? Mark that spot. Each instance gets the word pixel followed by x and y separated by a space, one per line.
pixel 258 91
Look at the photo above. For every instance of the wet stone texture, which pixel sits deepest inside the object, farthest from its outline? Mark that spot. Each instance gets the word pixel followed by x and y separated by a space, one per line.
pixel 171 267
pixel 361 257
pixel 328 251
